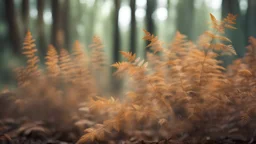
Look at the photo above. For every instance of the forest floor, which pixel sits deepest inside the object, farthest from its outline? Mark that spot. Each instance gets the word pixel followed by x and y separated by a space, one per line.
pixel 21 131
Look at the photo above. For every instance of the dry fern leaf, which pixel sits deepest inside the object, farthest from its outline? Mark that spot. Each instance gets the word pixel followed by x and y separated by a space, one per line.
pixel 245 73
pixel 29 50
pixel 230 19
pixel 128 55
pixel 155 43
pixel 81 71
pixel 216 24
pixel 98 133
pixel 66 65
pixel 140 63
pixel 89 136
pixel 98 60
pixel 79 54
pixel 227 22
pixel 218 37
pixel 121 68
pixel 162 122
pixel 21 76
pixel 52 61
pixel 245 118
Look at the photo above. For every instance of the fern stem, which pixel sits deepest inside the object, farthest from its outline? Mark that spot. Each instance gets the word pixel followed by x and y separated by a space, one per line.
pixel 206 53
pixel 182 86
pixel 163 101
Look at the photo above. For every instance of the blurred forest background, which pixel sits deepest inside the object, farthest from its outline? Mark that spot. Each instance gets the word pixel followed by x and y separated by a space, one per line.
pixel 118 23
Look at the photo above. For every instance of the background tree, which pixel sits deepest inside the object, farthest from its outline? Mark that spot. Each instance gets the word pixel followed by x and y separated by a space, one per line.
pixel 13 28
pixel 116 33
pixel 250 19
pixel 236 36
pixel 116 42
pixel 150 24
pixel 40 28
pixel 133 31
pixel 185 17
pixel 25 15
pixel 65 11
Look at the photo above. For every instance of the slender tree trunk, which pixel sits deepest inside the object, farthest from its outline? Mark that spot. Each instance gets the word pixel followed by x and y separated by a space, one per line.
pixel 185 17
pixel 60 26
pixel 236 36
pixel 13 28
pixel 117 40
pixel 133 34
pixel 56 25
pixel 250 19
pixel 25 15
pixel 150 25
pixel 66 22
pixel 40 28
pixel 91 22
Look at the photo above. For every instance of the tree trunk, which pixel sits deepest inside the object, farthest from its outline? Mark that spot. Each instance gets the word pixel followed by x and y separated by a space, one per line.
pixel 236 36
pixel 250 19
pixel 56 25
pixel 13 28
pixel 91 21
pixel 185 17
pixel 150 25
pixel 133 33
pixel 66 23
pixel 117 40
pixel 40 28
pixel 25 15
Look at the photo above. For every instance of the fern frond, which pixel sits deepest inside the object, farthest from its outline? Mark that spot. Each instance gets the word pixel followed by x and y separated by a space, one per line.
pixel 230 19
pixel 52 61
pixel 155 43
pixel 79 54
pixel 29 50
pixel 218 37
pixel 66 65
pixel 245 73
pixel 140 63
pixel 81 71
pixel 128 55
pixel 98 60
pixel 21 76
pixel 120 64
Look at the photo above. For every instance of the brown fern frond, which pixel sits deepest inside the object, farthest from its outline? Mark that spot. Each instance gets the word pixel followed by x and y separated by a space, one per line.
pixel 140 62
pixel 230 19
pixel 81 70
pixel 79 54
pixel 52 61
pixel 121 65
pixel 227 22
pixel 155 44
pixel 98 60
pixel 244 118
pixel 66 65
pixel 217 25
pixel 245 73
pixel 21 76
pixel 217 37
pixel 29 50
pixel 128 55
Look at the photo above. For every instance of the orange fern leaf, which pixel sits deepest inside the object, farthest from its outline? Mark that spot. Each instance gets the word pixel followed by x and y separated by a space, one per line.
pixel 66 65
pixel 128 55
pixel 52 61
pixel 29 50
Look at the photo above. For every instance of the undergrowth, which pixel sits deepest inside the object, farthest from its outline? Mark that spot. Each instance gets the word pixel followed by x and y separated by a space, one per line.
pixel 180 93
